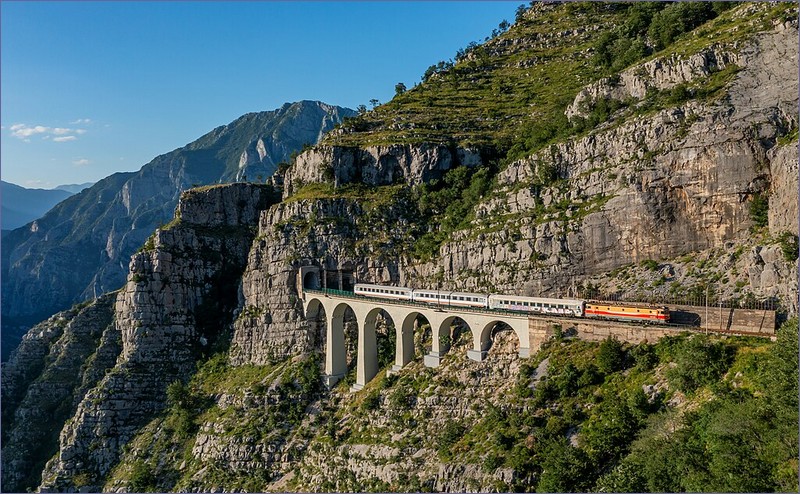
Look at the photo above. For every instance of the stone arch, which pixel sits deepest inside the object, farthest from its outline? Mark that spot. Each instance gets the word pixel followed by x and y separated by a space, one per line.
pixel 317 319
pixel 485 340
pixel 336 344
pixel 404 332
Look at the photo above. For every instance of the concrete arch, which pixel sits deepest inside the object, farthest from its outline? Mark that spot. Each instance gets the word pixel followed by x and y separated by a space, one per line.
pixel 481 339
pixel 335 351
pixel 404 339
pixel 317 318
pixel 312 307
pixel 484 339
pixel 440 329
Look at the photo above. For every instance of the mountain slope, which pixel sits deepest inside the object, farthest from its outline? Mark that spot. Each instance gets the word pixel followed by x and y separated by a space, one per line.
pixel 22 205
pixel 74 188
pixel 81 248
pixel 671 172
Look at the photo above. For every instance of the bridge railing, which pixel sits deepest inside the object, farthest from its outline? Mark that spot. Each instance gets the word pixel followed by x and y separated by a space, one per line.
pixel 476 310
pixel 494 312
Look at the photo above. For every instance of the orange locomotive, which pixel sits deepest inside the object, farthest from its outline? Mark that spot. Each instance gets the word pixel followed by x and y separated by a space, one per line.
pixel 627 312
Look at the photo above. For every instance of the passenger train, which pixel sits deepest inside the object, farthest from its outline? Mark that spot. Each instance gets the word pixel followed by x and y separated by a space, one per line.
pixel 539 305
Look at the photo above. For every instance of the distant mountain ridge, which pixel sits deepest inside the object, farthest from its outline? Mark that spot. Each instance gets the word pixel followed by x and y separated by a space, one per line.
pixel 21 205
pixel 81 248
pixel 75 188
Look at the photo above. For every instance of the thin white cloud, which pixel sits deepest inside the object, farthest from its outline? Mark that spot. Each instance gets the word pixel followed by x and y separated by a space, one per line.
pixel 81 162
pixel 24 132
pixel 81 121
pixel 21 131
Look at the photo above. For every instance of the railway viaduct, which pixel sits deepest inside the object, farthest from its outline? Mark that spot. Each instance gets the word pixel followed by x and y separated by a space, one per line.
pixel 403 314
pixel 531 332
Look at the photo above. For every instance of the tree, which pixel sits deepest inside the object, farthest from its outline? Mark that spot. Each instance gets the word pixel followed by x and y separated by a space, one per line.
pixel 362 109
pixel 610 356
pixel 399 89
pixel 374 102
pixel 520 13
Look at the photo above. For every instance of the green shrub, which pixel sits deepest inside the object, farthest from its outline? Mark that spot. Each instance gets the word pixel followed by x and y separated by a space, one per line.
pixel 650 264
pixel 610 356
pixel 759 210
pixel 452 432
pixel 789 246
pixel 699 362
pixel 142 478
pixel 492 462
pixel 644 356
pixel 564 468
pixel 372 401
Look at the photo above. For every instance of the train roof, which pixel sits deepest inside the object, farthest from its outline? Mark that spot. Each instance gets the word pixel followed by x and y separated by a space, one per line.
pixel 445 292
pixel 388 287
pixel 627 304
pixel 538 299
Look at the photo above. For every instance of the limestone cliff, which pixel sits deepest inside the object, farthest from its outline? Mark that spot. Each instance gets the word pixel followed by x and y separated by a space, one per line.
pixel 174 309
pixel 688 185
pixel 46 378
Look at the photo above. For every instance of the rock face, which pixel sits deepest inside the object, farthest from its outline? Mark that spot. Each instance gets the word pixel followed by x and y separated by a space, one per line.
pixel 178 300
pixel 377 165
pixel 80 249
pixel 672 185
pixel 58 361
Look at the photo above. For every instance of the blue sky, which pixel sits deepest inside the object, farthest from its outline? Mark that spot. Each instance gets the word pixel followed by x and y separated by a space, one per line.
pixel 90 88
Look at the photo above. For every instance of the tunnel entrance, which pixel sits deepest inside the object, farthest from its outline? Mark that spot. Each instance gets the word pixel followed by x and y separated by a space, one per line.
pixel 339 279
pixel 311 280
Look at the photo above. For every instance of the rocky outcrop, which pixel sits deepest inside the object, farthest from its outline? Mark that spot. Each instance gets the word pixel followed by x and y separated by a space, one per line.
pixel 395 446
pixel 783 213
pixel 376 165
pixel 80 249
pixel 270 323
pixel 655 187
pixel 666 192
pixel 174 309
pixel 72 351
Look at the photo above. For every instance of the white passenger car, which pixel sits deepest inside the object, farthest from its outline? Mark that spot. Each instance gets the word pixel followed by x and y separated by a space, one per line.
pixel 560 306
pixel 451 299
pixel 383 291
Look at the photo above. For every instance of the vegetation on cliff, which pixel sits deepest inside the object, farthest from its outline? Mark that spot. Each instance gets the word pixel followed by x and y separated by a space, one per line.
pixel 510 93
pixel 688 413
pixel 228 370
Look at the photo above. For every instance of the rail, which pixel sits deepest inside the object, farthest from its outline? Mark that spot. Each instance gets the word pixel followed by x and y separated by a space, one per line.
pixel 352 295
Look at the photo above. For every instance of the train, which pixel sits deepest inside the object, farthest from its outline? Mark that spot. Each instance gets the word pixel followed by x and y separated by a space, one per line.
pixel 534 305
